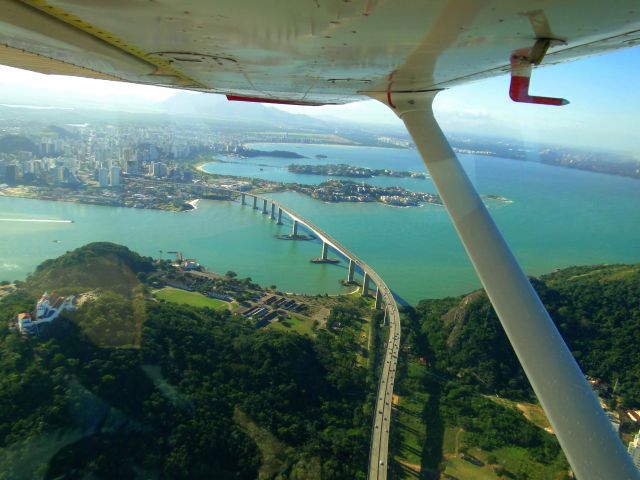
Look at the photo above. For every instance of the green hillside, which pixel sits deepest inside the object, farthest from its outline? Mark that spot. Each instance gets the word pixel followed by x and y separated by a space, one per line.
pixel 462 389
pixel 96 265
pixel 131 387
pixel 596 308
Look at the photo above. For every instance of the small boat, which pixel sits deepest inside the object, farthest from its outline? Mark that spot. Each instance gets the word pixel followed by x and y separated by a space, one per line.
pixel 325 260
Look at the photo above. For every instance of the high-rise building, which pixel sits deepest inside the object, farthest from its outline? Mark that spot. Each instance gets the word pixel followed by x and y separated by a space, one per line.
pixel 11 174
pixel 159 169
pixel 48 147
pixel 634 450
pixel 33 166
pixel 115 176
pixel 103 177
pixel 100 155
pixel 132 167
pixel 60 176
pixel 24 155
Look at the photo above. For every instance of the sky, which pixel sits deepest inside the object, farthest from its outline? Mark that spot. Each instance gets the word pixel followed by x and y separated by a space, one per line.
pixel 603 113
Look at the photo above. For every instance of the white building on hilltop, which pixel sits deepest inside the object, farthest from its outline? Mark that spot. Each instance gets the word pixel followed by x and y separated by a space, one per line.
pixel 47 310
pixel 634 450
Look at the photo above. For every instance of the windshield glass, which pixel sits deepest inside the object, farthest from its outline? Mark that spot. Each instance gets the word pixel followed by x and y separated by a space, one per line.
pixel 197 288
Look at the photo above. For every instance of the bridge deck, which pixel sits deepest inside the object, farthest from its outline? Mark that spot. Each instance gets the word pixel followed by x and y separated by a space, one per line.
pixel 378 455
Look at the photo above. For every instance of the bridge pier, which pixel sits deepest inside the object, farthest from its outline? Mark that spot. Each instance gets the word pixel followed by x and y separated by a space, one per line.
pixel 255 203
pixel 264 206
pixel 378 298
pixel 294 229
pixel 324 250
pixel 351 271
pixel 273 211
pixel 365 285
pixel 279 216
pixel 244 199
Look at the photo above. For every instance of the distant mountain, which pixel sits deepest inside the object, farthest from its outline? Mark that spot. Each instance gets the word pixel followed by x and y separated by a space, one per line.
pixel 17 143
pixel 62 132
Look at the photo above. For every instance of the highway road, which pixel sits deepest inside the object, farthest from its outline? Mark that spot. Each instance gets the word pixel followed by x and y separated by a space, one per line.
pixel 379 450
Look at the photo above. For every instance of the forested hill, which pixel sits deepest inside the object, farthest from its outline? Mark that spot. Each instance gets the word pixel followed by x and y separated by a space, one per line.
pixel 597 309
pixel 17 143
pixel 129 386
pixel 96 265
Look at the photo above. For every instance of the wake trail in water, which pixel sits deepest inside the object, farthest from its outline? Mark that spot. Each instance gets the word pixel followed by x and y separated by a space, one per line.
pixel 34 220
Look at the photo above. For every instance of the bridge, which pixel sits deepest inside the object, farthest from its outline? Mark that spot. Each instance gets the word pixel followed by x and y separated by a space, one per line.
pixel 379 449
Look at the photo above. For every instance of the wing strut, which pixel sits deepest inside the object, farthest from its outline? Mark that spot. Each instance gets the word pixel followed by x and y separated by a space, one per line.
pixel 584 431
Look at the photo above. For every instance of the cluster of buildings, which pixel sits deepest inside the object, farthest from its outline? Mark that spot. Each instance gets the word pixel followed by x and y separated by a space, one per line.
pixel 131 165
pixel 109 176
pixel 103 154
pixel 604 391
pixel 345 191
pixel 396 142
pixel 634 450
pixel 48 308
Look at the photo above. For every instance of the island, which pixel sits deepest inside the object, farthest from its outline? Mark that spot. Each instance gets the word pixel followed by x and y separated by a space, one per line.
pixel 250 153
pixel 352 171
pixel 179 195
pixel 348 191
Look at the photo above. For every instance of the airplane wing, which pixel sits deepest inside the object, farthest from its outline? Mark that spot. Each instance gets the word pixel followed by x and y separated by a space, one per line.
pixel 303 51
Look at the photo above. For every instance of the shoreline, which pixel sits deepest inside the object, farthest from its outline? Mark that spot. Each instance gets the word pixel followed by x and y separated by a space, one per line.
pixel 290 187
pixel 78 202
pixel 194 203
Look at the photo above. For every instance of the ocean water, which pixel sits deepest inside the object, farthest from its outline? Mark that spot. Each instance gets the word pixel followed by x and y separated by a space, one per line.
pixel 558 217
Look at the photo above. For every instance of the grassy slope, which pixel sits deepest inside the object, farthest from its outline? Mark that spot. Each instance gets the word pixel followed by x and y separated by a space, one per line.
pixel 194 299
pixel 532 412
pixel 302 325
pixel 273 452
pixel 408 419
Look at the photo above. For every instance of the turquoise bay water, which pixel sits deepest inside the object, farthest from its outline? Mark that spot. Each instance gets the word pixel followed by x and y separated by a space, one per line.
pixel 558 217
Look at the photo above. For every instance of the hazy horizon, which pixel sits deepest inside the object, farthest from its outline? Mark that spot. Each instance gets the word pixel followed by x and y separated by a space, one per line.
pixel 597 88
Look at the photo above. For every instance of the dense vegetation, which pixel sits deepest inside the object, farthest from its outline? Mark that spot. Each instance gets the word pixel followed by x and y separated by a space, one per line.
pixel 100 265
pixel 101 393
pixel 469 365
pixel 129 386
pixel 597 310
pixel 17 143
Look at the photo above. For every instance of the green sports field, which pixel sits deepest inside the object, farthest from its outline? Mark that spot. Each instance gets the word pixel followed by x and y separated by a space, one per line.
pixel 195 299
